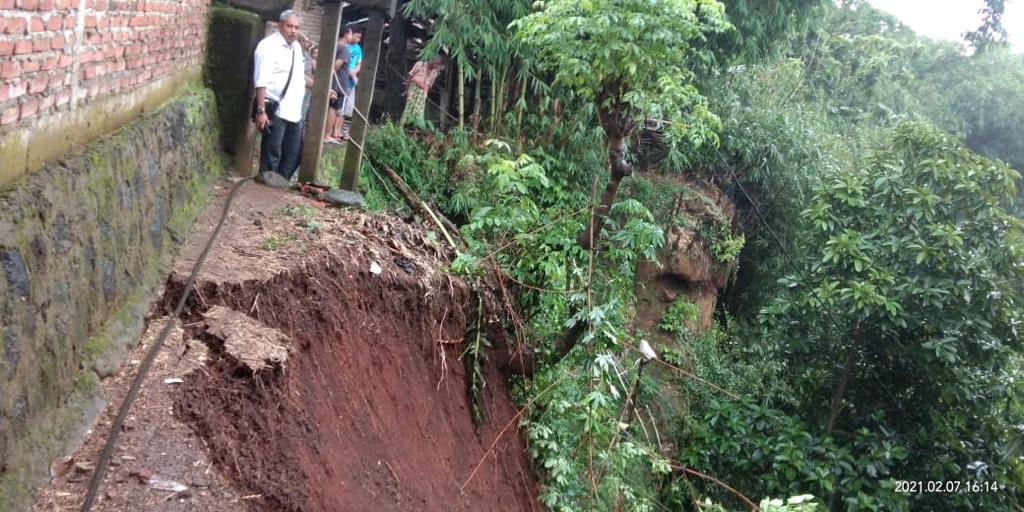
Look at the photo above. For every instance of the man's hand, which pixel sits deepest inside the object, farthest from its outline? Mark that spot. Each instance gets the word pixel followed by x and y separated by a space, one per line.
pixel 262 121
pixel 334 94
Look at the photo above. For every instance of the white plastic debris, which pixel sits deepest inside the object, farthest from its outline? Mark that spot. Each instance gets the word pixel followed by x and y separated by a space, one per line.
pixel 375 269
pixel 646 351
pixel 174 380
pixel 162 484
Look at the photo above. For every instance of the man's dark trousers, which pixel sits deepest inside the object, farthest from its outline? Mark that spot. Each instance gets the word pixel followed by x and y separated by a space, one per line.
pixel 281 148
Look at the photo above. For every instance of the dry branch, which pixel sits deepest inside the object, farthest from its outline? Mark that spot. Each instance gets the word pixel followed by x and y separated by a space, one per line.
pixel 522 362
pixel 418 205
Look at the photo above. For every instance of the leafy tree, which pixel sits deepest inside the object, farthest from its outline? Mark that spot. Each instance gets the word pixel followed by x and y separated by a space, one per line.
pixel 763 28
pixel 630 58
pixel 991 31
pixel 985 97
pixel 910 369
pixel 918 258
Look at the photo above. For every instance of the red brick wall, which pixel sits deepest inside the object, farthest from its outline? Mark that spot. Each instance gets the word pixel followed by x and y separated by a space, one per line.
pixel 58 54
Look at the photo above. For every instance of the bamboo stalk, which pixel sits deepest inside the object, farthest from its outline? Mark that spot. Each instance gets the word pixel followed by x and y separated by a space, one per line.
pixel 476 101
pixel 520 110
pixel 462 96
pixel 494 101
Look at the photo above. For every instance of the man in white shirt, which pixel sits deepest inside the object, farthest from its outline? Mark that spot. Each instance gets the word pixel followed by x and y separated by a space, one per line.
pixel 280 88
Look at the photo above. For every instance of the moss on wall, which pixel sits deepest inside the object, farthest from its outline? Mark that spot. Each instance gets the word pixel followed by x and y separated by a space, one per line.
pixel 83 245
pixel 233 35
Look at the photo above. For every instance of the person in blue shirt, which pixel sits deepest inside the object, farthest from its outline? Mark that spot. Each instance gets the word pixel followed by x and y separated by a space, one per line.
pixel 355 64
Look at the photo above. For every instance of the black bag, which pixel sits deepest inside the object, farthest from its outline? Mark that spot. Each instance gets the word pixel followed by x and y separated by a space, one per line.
pixel 269 105
pixel 339 92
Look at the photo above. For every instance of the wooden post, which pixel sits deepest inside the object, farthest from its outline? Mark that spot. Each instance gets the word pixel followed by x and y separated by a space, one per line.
pixel 446 96
pixel 394 75
pixel 364 98
pixel 312 148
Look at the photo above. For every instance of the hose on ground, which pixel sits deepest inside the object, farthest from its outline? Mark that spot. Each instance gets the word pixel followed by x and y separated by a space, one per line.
pixel 147 362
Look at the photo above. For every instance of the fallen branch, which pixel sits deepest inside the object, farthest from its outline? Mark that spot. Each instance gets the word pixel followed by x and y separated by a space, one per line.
pixel 522 361
pixel 418 205
pixel 694 472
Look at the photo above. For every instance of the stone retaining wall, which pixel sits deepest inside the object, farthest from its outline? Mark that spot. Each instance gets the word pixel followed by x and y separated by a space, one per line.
pixel 80 242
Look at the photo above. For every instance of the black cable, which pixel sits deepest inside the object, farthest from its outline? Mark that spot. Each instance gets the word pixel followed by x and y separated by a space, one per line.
pixel 147 362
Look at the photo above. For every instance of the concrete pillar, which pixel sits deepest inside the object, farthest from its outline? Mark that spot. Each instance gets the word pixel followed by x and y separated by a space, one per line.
pixel 309 170
pixel 364 98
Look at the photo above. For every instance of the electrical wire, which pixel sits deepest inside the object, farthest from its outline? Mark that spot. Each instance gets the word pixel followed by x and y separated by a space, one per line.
pixel 778 241
pixel 147 362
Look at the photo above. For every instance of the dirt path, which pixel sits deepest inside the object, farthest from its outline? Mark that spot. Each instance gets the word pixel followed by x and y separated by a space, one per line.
pixel 367 407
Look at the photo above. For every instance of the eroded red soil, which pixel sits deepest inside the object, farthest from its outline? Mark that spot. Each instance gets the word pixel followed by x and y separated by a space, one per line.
pixel 370 411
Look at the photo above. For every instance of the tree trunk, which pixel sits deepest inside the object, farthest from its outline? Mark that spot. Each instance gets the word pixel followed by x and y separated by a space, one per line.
pixel 494 102
pixel 520 110
pixel 556 117
pixel 476 101
pixel 509 86
pixel 446 97
pixel 619 169
pixel 615 121
pixel 844 381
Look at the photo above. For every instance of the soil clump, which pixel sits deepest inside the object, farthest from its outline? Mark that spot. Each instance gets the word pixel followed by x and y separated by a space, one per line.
pixel 323 375
pixel 370 411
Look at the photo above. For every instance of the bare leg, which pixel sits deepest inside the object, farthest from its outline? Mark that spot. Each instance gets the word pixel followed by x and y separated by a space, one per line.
pixel 329 126
pixel 336 129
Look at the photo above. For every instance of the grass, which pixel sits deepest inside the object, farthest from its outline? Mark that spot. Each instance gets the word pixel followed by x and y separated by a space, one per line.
pixel 276 242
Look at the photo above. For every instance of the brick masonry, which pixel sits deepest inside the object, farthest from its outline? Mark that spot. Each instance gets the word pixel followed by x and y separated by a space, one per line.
pixel 59 54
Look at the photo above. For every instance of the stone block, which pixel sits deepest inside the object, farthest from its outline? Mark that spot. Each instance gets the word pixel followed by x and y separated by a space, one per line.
pixel 233 35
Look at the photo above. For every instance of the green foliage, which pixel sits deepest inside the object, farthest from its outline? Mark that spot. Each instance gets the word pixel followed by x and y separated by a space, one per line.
pixel 426 163
pixel 513 202
pixel 725 247
pixel 474 357
pixel 985 98
pixel 678 314
pixel 276 242
pixel 579 416
pixel 305 217
pixel 763 28
pixel 766 449
pixel 991 32
pixel 470 27
pixel 917 258
pixel 907 238
pixel 477 36
pixel 631 57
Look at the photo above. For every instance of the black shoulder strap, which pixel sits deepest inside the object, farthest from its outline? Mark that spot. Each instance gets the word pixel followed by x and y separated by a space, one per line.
pixel 290 70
